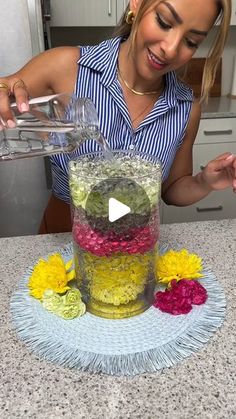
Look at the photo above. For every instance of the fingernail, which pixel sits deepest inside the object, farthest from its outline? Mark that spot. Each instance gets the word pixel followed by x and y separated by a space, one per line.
pixel 229 157
pixel 11 124
pixel 24 107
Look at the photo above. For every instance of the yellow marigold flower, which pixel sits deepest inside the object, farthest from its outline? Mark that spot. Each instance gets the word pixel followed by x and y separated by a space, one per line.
pixel 178 265
pixel 52 274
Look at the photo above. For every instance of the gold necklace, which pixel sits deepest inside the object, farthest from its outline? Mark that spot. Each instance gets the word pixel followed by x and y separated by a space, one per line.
pixel 136 92
pixel 143 111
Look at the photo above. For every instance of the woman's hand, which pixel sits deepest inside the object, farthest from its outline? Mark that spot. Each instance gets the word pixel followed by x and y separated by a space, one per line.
pixel 12 87
pixel 220 173
pixel 52 71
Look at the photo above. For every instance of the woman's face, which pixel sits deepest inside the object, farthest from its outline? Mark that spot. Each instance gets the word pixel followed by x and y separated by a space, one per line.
pixel 170 33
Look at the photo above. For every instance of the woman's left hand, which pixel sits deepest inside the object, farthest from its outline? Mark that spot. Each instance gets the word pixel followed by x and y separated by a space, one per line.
pixel 220 173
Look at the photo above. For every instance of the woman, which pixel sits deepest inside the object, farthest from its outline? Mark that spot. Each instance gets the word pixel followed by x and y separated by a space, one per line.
pixel 140 101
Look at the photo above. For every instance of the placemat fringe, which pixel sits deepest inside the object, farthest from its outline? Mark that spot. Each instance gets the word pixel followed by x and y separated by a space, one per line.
pixel 131 364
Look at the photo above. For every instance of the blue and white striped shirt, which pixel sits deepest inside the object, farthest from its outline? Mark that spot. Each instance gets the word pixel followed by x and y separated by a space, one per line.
pixel 159 134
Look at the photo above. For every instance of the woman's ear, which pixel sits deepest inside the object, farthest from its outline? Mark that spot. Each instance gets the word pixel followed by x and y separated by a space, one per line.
pixel 134 5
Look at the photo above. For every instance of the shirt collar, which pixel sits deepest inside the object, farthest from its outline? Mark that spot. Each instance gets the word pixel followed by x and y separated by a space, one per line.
pixel 176 90
pixel 103 58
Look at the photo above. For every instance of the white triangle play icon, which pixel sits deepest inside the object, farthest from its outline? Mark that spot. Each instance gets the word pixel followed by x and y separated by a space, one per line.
pixel 117 210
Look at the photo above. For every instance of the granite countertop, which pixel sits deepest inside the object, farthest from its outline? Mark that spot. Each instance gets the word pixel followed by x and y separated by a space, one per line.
pixel 202 386
pixel 219 107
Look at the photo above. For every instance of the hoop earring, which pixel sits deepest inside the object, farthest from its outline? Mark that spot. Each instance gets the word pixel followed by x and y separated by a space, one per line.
pixel 129 17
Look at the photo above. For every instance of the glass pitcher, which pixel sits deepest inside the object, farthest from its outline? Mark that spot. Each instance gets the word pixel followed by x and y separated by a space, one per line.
pixel 54 124
pixel 115 218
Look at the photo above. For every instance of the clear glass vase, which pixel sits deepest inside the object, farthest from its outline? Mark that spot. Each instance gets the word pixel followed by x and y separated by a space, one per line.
pixel 115 216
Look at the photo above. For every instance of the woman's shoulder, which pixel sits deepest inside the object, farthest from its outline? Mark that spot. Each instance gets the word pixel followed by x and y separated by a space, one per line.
pixel 64 55
pixel 64 67
pixel 58 59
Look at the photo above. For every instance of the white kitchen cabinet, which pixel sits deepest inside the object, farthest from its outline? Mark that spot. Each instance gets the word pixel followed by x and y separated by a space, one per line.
pixel 87 12
pixel 215 137
pixel 94 12
pixel 83 12
pixel 120 8
pixel 233 16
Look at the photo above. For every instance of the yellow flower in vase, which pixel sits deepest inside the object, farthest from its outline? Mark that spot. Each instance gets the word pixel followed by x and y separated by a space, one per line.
pixel 53 274
pixel 178 265
pixel 117 279
pixel 115 293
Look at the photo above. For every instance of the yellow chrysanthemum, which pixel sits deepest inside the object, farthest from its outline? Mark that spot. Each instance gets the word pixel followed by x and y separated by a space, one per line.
pixel 115 294
pixel 117 279
pixel 178 265
pixel 52 274
pixel 109 311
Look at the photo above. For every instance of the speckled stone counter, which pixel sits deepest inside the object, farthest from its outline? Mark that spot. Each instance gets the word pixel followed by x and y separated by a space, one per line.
pixel 203 386
pixel 219 107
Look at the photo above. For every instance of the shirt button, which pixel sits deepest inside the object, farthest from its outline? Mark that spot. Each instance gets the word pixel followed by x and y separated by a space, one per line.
pixel 131 147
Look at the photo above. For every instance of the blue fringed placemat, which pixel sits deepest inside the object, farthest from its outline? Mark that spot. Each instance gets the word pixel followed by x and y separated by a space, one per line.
pixel 145 343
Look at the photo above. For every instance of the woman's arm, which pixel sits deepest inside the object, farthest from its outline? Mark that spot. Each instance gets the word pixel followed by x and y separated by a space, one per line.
pixel 181 188
pixel 53 71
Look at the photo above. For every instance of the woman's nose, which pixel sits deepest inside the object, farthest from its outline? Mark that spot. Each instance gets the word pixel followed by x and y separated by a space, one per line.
pixel 170 46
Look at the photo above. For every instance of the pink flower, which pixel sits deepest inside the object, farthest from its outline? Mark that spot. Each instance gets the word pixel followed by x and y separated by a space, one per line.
pixel 179 298
pixel 135 240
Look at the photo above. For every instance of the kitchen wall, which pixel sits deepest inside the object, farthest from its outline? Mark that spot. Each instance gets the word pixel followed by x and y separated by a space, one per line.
pixel 93 35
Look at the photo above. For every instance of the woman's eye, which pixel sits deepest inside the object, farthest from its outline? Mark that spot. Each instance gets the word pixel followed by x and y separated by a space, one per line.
pixel 191 44
pixel 162 23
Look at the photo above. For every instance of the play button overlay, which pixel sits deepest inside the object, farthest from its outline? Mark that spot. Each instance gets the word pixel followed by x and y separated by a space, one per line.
pixel 117 205
pixel 117 210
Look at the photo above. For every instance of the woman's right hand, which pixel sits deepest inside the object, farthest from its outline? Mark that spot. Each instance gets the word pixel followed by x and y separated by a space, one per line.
pixel 12 87
pixel 52 71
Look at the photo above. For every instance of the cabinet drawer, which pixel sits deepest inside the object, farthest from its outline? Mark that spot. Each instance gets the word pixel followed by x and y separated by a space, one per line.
pixel 83 13
pixel 203 153
pixel 217 205
pixel 221 130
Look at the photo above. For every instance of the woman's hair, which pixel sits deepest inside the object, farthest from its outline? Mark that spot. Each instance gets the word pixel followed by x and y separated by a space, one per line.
pixel 215 52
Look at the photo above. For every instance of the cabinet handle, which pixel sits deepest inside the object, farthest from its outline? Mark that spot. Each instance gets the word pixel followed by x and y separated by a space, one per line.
pixel 109 8
pixel 46 10
pixel 220 132
pixel 206 209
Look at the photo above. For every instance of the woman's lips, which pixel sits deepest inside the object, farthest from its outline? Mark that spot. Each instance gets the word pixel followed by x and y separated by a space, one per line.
pixel 156 62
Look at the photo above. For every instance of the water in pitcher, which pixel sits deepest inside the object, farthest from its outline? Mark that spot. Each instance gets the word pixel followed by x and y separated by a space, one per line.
pixel 54 124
